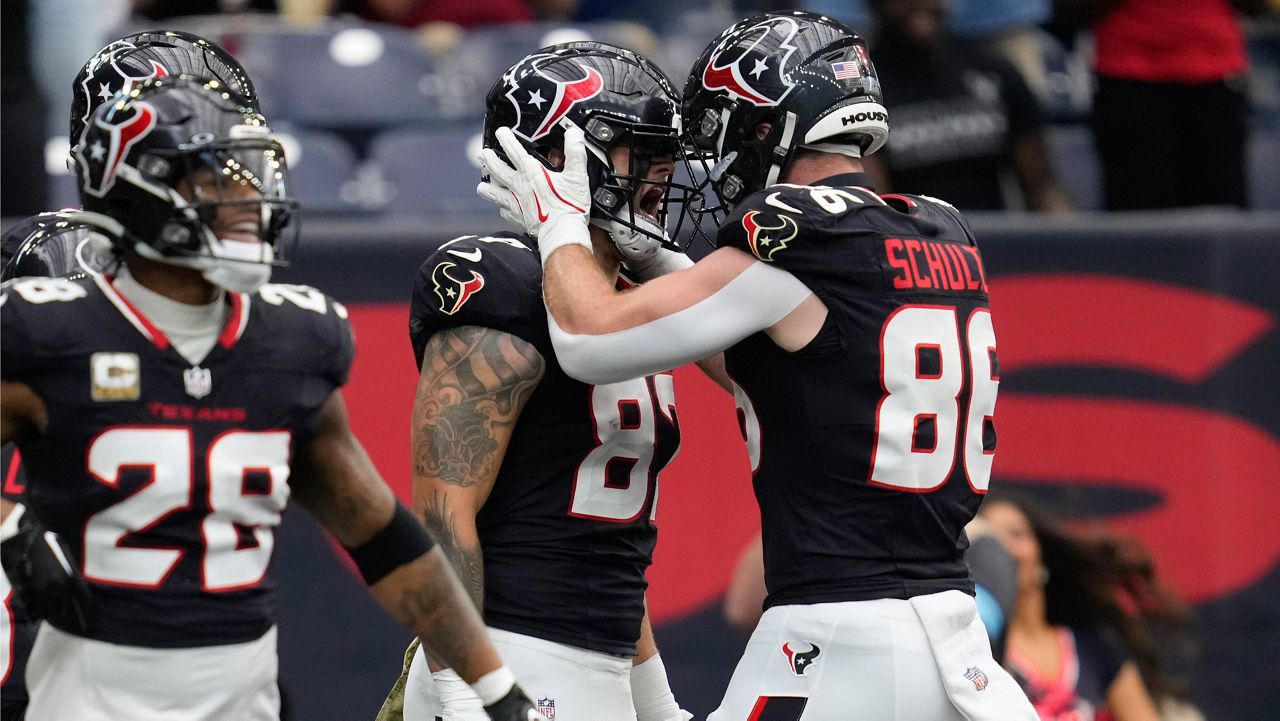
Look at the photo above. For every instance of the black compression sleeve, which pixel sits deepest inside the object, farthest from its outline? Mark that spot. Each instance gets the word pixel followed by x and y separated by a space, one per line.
pixel 402 540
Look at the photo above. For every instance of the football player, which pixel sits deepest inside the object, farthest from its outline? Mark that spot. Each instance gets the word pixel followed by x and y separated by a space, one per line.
pixel 857 330
pixel 538 485
pixel 167 412
pixel 55 245
pixel 45 245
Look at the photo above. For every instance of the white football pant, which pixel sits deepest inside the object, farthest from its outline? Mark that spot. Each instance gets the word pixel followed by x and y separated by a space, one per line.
pixel 567 683
pixel 70 677
pixel 883 660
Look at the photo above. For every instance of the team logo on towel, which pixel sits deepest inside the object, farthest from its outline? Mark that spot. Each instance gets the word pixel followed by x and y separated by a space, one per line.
pixel 800 658
pixel 979 679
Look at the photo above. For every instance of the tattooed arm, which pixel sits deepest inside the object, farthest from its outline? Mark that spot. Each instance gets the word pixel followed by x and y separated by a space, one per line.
pixel 335 480
pixel 472 386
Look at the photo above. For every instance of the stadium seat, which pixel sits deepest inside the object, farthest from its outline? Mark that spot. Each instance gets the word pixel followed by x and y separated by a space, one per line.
pixel 342 77
pixel 429 171
pixel 322 168
pixel 482 55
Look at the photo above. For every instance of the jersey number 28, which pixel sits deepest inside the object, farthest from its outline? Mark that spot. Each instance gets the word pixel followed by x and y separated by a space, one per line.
pixel 114 552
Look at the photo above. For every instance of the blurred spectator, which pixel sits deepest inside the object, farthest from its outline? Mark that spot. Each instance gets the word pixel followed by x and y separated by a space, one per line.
pixel 1007 28
pixel 22 134
pixel 961 121
pixel 1170 114
pixel 1081 640
pixel 164 9
pixel 415 13
pixel 63 34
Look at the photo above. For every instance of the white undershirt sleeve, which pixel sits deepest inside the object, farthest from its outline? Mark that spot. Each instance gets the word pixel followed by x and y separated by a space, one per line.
pixel 754 300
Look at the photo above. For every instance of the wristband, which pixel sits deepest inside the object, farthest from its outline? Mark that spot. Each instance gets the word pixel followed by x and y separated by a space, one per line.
pixel 401 541
pixel 495 685
pixel 651 692
pixel 562 230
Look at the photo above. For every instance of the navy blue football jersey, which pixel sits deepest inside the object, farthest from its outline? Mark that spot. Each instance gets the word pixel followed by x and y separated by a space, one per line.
pixel 168 478
pixel 17 628
pixel 568 530
pixel 872 445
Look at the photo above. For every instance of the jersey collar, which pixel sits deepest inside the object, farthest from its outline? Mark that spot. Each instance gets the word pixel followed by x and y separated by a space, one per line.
pixel 860 180
pixel 237 319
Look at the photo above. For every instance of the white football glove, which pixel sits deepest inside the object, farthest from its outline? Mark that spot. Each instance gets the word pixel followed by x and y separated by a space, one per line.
pixel 507 204
pixel 554 206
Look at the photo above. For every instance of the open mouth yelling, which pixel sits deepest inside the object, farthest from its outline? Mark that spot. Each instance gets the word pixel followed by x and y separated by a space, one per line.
pixel 650 202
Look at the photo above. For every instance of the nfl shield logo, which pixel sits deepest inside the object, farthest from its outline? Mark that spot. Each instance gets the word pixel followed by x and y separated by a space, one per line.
pixel 198 381
pixel 547 707
pixel 979 679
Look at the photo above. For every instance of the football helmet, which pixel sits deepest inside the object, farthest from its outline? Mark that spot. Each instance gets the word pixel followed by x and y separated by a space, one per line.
pixel 133 59
pixel 806 74
pixel 193 177
pixel 619 99
pixel 61 244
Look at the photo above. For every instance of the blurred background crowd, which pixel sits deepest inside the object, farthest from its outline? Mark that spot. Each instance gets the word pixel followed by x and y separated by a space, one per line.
pixel 1048 105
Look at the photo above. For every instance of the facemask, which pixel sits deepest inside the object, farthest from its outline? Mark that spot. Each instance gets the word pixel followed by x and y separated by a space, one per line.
pixel 637 245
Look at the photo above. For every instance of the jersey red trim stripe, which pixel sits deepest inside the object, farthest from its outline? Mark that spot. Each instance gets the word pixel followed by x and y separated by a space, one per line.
pixel 13 637
pixel 236 323
pixel 132 314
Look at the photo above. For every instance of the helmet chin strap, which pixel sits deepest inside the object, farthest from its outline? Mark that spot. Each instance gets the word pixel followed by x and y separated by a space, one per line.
pixel 847 149
pixel 232 265
pixel 624 236
pixel 788 134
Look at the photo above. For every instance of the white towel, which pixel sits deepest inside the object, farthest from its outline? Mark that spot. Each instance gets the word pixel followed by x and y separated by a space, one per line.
pixel 975 683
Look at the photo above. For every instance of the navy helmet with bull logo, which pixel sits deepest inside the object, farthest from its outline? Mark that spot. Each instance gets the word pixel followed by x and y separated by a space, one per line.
pixel 128 62
pixel 168 158
pixel 806 75
pixel 618 98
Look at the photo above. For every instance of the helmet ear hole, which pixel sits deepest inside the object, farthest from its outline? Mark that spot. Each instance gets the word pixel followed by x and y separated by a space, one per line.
pixel 553 155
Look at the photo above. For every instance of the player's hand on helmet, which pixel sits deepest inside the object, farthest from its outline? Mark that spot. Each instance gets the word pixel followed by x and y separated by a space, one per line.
pixel 507 204
pixel 44 573
pixel 515 706
pixel 553 205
